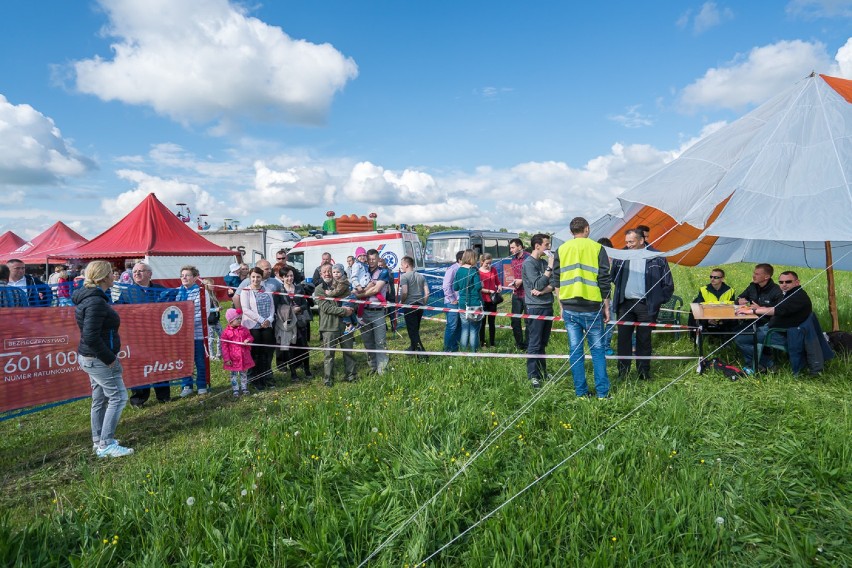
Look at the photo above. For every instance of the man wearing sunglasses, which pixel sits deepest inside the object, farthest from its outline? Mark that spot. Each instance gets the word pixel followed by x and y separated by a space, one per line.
pixel 716 292
pixel 792 310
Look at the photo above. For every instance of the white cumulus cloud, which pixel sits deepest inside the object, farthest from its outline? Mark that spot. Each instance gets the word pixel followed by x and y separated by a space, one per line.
pixel 197 61
pixel 756 77
pixel 32 149
pixel 844 59
pixel 453 211
pixel 296 186
pixel 372 184
pixel 168 191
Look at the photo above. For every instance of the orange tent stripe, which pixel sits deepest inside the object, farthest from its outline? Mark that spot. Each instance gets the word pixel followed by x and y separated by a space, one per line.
pixel 842 86
pixel 668 234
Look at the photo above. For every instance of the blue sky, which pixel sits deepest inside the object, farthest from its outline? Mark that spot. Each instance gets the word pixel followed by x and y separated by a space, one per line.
pixel 480 114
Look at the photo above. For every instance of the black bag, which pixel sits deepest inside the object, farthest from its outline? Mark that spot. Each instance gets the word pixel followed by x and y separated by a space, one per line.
pixel 497 298
pixel 731 371
pixel 213 318
pixel 840 341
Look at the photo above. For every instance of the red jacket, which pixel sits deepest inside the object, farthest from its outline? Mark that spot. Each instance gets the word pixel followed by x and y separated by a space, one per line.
pixel 236 356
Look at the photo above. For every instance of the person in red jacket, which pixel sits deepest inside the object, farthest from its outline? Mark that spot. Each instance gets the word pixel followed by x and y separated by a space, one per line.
pixel 236 351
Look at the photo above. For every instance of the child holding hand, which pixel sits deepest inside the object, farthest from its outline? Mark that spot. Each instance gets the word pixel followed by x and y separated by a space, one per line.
pixel 236 351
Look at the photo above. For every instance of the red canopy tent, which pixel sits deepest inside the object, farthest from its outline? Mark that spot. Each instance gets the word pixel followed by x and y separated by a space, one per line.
pixel 151 231
pixel 9 241
pixel 52 243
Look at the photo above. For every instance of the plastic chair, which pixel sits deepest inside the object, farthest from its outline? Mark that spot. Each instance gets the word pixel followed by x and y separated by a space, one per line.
pixel 767 341
pixel 669 312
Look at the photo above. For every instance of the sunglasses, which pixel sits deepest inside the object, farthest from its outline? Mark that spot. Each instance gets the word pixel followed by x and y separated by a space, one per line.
pixel 785 281
pixel 715 278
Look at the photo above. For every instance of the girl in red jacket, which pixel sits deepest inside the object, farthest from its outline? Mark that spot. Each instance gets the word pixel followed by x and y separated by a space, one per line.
pixel 236 351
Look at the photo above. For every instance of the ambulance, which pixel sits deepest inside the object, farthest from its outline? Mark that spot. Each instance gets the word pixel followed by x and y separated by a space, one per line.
pixel 392 244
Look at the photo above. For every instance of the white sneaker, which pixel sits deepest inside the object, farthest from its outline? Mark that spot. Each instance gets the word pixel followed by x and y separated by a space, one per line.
pixel 185 392
pixel 96 446
pixel 203 391
pixel 114 451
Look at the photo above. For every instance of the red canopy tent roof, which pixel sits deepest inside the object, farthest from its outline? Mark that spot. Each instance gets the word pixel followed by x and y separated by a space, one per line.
pixel 150 229
pixel 53 242
pixel 9 241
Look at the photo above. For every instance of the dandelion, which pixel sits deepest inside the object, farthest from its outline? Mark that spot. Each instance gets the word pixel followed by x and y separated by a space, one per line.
pixel 601 447
pixel 190 501
pixel 720 521
pixel 106 541
pixel 259 474
pixel 614 539
pixel 296 434
pixel 254 485
pixel 146 509
pixel 375 429
pixel 244 492
pixel 702 461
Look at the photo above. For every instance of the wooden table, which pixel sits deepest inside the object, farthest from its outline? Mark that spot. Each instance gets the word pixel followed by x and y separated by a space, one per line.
pixel 698 314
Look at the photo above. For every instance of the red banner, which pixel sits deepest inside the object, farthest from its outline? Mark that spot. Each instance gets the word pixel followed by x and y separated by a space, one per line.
pixel 38 351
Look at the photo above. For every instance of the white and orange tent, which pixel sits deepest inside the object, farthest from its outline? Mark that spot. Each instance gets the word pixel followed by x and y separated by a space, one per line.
pixel 774 186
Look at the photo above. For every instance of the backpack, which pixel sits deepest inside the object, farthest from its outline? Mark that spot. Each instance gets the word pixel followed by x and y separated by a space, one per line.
pixel 840 341
pixel 730 371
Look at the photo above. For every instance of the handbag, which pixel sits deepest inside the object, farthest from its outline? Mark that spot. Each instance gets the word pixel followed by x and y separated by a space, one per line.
pixel 473 313
pixel 213 317
pixel 497 298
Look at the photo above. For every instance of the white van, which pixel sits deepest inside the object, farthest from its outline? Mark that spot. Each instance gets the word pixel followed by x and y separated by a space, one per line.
pixel 392 245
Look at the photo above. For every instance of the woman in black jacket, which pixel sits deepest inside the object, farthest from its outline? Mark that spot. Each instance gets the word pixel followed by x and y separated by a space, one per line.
pixel 98 356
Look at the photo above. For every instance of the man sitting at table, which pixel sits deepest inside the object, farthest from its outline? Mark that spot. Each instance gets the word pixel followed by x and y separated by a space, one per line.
pixel 716 292
pixel 792 310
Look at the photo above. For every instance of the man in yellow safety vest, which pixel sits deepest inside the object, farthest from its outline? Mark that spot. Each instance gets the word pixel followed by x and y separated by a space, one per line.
pixel 584 287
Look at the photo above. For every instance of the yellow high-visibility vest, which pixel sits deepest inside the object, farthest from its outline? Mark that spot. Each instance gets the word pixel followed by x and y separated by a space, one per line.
pixel 709 297
pixel 578 270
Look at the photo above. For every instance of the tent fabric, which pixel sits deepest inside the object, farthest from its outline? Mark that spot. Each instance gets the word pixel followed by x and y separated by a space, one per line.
pixel 151 229
pixel 781 172
pixel 54 241
pixel 9 241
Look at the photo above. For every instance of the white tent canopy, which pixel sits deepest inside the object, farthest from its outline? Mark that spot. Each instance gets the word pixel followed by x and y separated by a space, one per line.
pixel 773 186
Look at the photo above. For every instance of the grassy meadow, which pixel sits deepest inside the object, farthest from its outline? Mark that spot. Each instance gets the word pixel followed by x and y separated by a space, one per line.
pixel 684 470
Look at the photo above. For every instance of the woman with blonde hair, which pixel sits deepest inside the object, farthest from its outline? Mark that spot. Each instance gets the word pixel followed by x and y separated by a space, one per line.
pixel 98 356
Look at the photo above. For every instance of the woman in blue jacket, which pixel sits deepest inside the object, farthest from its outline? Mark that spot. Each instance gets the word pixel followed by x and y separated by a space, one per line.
pixel 469 287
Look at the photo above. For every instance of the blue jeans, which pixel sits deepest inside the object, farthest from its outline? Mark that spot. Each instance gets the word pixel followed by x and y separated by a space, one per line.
pixel 108 397
pixel 608 331
pixel 469 339
pixel 200 368
pixel 452 334
pixel 589 324
pixel 745 342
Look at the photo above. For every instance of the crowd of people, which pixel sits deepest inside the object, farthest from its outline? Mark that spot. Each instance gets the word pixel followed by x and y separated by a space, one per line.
pixel 269 326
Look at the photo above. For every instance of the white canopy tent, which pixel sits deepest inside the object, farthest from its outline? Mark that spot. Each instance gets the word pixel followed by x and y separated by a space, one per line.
pixel 774 186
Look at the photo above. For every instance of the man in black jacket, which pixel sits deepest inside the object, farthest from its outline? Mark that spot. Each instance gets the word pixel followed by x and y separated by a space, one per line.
pixel 762 292
pixel 641 287
pixel 792 310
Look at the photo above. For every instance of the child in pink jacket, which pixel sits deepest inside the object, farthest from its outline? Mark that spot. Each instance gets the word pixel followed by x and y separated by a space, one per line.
pixel 236 351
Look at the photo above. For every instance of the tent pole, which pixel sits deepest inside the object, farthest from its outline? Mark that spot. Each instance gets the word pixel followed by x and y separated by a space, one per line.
pixel 832 296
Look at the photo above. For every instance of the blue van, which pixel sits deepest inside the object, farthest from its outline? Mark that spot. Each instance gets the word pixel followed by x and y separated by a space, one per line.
pixel 441 249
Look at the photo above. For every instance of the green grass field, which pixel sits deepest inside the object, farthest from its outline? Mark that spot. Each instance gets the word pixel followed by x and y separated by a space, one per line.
pixel 684 470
